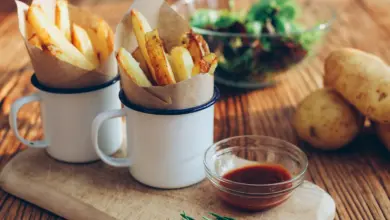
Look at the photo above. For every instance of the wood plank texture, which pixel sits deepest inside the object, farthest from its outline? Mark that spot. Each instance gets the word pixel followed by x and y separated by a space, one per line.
pixel 358 177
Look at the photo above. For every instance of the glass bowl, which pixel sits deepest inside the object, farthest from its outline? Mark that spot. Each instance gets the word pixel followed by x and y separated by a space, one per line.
pixel 243 151
pixel 251 61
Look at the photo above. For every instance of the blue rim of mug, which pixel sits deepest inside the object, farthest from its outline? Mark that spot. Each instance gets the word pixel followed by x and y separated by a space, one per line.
pixel 154 111
pixel 38 85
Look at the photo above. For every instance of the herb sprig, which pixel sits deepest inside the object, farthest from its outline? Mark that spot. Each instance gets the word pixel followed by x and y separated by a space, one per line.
pixel 184 216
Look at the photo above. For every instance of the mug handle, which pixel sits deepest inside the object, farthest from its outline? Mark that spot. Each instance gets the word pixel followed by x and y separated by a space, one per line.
pixel 14 124
pixel 97 122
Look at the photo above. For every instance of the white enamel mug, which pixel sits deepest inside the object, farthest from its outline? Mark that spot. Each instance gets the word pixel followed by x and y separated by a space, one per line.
pixel 67 116
pixel 165 148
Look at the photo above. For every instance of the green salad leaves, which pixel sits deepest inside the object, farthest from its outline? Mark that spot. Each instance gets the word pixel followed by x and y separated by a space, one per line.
pixel 270 36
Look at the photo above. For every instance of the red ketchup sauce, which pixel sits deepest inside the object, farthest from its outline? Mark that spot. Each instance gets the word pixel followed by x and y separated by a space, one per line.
pixel 256 174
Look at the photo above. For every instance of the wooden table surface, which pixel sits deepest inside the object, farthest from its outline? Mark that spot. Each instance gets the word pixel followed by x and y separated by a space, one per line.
pixel 358 177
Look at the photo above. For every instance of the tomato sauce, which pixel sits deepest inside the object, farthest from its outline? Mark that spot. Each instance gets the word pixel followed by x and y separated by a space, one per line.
pixel 256 174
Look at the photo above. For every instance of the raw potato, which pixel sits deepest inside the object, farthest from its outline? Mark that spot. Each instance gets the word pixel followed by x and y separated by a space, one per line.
pixel 383 131
pixel 53 40
pixel 326 121
pixel 362 79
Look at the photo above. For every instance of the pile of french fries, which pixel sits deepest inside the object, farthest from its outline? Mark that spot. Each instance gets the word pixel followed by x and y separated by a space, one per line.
pixel 150 65
pixel 84 47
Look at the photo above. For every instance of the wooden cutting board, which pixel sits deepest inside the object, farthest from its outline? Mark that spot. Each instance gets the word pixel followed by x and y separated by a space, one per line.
pixel 96 191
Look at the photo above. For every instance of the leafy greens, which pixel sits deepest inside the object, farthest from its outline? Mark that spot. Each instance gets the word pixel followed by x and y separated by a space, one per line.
pixel 273 38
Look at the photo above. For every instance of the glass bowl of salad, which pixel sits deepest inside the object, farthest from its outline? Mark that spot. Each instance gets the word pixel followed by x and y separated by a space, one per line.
pixel 257 39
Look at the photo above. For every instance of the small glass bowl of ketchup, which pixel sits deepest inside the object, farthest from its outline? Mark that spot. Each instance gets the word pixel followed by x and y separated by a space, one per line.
pixel 255 172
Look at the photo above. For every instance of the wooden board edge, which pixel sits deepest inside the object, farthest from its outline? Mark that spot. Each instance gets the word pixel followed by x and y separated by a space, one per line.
pixel 59 203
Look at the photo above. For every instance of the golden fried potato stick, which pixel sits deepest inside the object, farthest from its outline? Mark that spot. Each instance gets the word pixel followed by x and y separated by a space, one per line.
pixel 197 47
pixel 132 68
pixel 34 40
pixel 62 18
pixel 137 54
pixel 102 39
pixel 140 28
pixel 181 62
pixel 159 61
pixel 31 36
pixel 82 42
pixel 212 62
pixel 53 41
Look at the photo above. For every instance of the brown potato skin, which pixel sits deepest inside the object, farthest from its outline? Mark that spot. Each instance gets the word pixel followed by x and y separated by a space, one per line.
pixel 383 131
pixel 362 79
pixel 326 121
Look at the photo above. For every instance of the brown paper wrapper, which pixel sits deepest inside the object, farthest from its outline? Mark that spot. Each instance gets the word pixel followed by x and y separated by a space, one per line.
pixel 171 26
pixel 55 73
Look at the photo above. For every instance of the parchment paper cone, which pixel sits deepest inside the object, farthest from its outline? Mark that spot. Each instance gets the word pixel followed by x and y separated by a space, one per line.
pixel 189 93
pixel 55 73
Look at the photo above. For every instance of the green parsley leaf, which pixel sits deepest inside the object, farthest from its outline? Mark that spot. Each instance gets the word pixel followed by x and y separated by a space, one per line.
pixel 203 18
pixel 185 217
pixel 279 24
pixel 218 217
pixel 254 27
pixel 225 20
pixel 289 11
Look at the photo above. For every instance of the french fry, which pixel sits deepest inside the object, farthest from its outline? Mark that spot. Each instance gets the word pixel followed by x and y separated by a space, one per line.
pixel 181 62
pixel 212 60
pixel 208 64
pixel 196 42
pixel 106 38
pixel 62 18
pixel 82 42
pixel 140 28
pixel 102 39
pixel 137 54
pixel 213 67
pixel 189 42
pixel 53 41
pixel 95 42
pixel 106 31
pixel 34 40
pixel 198 48
pixel 204 66
pixel 203 44
pixel 132 68
pixel 31 36
pixel 161 67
